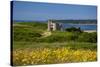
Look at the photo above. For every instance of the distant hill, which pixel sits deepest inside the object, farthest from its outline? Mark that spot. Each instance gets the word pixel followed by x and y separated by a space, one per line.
pixel 77 21
pixel 63 21
pixel 14 21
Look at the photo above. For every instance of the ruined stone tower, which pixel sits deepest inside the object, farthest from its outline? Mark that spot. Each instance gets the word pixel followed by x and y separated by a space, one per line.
pixel 53 26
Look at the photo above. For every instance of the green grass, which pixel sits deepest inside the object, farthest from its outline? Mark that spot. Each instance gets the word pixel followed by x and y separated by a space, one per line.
pixel 30 35
pixel 33 25
pixel 72 45
pixel 33 32
pixel 29 27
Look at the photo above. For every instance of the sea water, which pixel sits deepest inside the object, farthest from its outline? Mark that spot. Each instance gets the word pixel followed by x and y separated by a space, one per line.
pixel 82 26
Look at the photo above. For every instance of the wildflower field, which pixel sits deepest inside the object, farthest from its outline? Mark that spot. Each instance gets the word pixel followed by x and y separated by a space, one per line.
pixel 52 55
pixel 48 56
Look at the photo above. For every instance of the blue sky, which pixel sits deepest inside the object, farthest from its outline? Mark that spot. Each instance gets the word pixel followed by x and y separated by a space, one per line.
pixel 44 11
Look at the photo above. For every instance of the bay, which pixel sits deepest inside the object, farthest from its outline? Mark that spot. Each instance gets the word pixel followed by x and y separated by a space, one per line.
pixel 82 26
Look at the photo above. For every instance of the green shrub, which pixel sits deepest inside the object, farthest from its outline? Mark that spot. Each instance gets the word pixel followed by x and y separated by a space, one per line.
pixel 54 39
pixel 25 36
pixel 60 37
pixel 88 37
pixel 73 29
pixel 72 36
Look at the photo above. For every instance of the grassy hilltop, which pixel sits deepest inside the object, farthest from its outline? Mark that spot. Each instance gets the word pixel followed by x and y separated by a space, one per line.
pixel 32 38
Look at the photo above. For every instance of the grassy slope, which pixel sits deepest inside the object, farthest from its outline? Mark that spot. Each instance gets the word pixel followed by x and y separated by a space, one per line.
pixel 29 27
pixel 24 37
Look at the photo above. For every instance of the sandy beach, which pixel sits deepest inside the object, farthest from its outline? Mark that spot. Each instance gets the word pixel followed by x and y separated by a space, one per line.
pixel 90 31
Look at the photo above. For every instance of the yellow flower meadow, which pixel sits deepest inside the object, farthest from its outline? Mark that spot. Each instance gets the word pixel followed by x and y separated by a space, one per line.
pixel 51 56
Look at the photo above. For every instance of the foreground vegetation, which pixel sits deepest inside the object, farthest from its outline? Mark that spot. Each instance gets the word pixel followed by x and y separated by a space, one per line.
pixel 33 44
pixel 50 56
pixel 72 45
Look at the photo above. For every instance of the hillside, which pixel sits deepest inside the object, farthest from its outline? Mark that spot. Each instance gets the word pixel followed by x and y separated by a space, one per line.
pixel 37 33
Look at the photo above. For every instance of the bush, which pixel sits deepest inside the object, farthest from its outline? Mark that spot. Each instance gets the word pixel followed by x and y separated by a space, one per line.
pixel 52 38
pixel 88 37
pixel 60 37
pixel 72 36
pixel 25 36
pixel 73 29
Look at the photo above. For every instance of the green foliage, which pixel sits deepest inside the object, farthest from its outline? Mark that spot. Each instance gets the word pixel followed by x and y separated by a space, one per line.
pixel 35 25
pixel 29 26
pixel 72 45
pixel 60 37
pixel 88 37
pixel 73 29
pixel 33 32
pixel 27 31
pixel 25 36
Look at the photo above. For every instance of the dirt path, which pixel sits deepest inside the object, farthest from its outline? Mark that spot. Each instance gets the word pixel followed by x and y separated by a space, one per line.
pixel 46 34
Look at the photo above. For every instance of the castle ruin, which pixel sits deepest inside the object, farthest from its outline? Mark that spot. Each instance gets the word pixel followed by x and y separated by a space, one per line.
pixel 53 26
